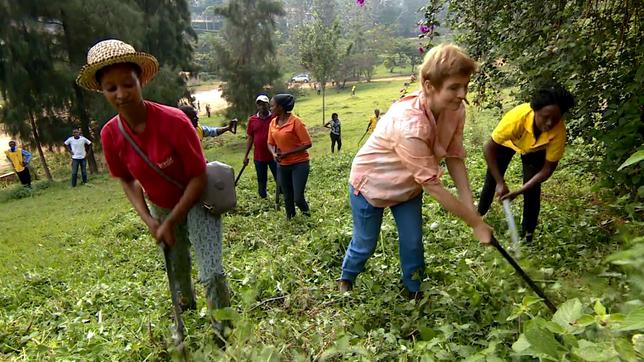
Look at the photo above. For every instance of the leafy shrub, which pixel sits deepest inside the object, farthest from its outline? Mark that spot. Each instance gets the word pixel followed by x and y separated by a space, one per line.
pixel 573 334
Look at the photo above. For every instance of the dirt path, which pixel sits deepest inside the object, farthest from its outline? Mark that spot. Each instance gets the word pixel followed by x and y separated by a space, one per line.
pixel 213 98
pixel 4 145
pixel 218 103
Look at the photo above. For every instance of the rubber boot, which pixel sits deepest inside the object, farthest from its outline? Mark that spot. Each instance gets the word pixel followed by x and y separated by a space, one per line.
pixel 218 296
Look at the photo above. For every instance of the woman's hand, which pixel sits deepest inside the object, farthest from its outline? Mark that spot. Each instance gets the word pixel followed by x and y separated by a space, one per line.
pixel 280 155
pixel 502 189
pixel 511 195
pixel 153 226
pixel 483 233
pixel 165 234
pixel 231 126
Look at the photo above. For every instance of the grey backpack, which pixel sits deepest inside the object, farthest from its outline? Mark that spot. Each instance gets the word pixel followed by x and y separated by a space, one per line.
pixel 219 195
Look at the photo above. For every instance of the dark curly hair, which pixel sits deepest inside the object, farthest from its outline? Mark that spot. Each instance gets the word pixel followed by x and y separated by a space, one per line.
pixel 552 94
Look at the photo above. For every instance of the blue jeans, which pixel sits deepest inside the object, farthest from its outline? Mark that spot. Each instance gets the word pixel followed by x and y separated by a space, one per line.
pixel 292 180
pixel 366 228
pixel 261 168
pixel 83 166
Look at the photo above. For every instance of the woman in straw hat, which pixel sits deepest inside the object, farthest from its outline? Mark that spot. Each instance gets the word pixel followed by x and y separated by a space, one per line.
pixel 165 135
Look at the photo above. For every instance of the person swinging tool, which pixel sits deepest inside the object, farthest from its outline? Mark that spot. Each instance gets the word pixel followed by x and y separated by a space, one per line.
pixel 167 139
pixel 537 131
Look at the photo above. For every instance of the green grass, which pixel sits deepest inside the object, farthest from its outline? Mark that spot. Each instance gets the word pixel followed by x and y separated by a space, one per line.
pixel 353 111
pixel 82 279
pixel 383 72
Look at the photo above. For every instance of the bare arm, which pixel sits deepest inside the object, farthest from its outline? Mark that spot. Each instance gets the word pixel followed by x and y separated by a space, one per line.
pixel 249 146
pixel 458 172
pixel 134 193
pixel 546 171
pixel 190 197
pixel 274 151
pixel 165 231
pixel 491 156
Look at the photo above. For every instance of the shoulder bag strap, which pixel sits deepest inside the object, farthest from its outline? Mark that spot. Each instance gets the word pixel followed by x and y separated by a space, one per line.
pixel 145 158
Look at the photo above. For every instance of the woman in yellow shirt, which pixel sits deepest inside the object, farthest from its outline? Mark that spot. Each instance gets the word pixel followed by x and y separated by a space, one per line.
pixel 536 131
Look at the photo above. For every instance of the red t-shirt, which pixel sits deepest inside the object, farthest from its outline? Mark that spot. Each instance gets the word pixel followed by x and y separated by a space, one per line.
pixel 257 128
pixel 169 140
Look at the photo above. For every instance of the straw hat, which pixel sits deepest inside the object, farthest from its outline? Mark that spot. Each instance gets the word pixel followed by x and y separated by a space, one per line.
pixel 110 52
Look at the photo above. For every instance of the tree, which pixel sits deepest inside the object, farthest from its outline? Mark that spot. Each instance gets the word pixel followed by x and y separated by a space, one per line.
pixel 27 75
pixel 246 54
pixel 319 51
pixel 46 44
pixel 169 34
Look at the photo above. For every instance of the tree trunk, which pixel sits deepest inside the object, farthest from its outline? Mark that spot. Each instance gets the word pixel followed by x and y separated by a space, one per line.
pixel 80 98
pixel 323 85
pixel 34 129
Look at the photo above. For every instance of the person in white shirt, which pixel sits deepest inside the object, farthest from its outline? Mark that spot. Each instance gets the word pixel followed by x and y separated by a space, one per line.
pixel 77 146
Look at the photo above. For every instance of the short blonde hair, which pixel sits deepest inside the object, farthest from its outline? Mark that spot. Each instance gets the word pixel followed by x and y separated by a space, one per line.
pixel 444 61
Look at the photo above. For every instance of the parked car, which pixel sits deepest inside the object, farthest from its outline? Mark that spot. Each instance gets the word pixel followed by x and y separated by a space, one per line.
pixel 301 78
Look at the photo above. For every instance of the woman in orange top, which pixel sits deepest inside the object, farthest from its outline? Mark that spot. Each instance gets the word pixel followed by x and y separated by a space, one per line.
pixel 402 158
pixel 288 141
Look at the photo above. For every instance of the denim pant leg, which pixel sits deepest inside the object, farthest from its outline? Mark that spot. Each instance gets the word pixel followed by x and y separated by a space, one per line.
pixel 75 165
pixel 261 168
pixel 532 164
pixel 366 228
pixel 409 223
pixel 300 177
pixel 285 180
pixel 83 167
pixel 180 259
pixel 504 156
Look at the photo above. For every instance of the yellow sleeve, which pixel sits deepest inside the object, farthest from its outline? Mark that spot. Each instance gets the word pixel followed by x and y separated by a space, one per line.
pixel 511 125
pixel 199 132
pixel 555 148
pixel 372 124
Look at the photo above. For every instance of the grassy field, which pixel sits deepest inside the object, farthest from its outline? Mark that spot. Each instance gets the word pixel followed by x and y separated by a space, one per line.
pixel 82 279
pixel 383 72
